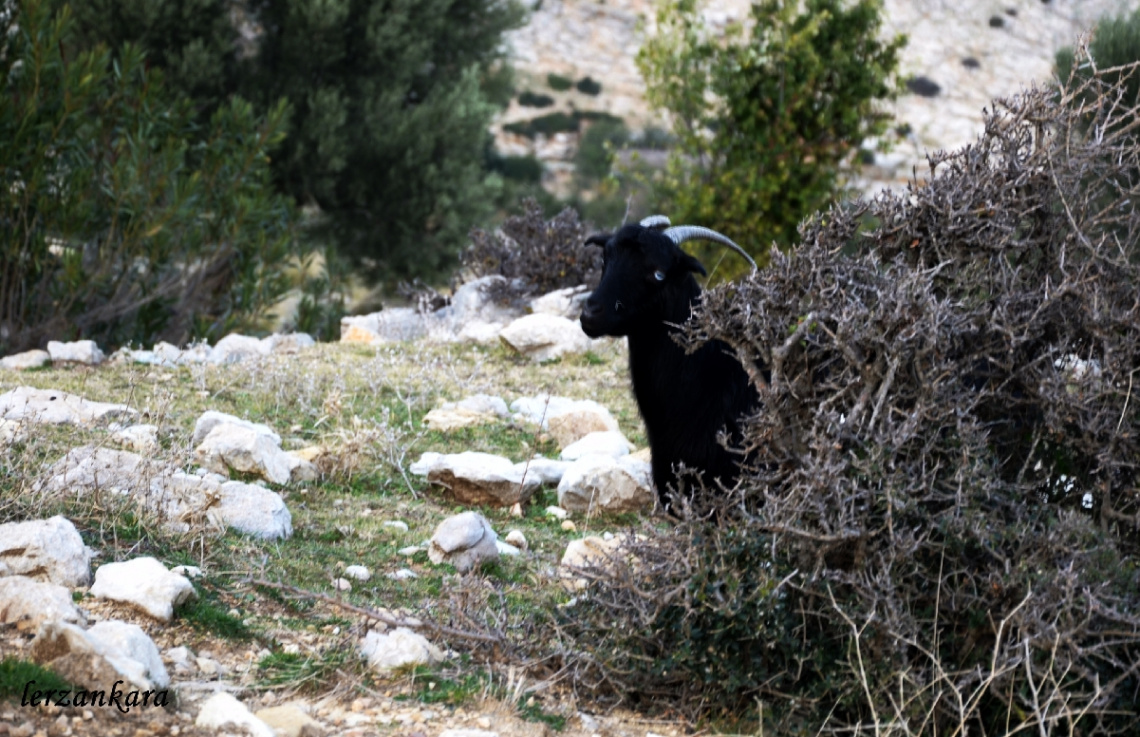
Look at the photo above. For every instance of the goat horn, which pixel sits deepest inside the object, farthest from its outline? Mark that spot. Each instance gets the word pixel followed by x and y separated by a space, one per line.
pixel 681 233
pixel 656 222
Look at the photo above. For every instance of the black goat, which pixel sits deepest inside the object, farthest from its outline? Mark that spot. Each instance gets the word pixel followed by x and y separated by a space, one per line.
pixel 647 288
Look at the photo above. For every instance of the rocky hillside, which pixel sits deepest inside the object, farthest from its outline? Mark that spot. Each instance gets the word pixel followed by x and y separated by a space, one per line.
pixel 965 53
pixel 312 539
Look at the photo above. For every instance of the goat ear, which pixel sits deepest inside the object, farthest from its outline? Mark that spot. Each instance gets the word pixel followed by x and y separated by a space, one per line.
pixel 598 239
pixel 690 263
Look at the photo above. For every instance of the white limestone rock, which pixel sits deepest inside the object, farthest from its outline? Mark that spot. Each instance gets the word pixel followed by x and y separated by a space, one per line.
pixel 400 647
pixel 587 552
pixel 542 337
pixel 25 361
pixel 11 432
pixel 516 538
pixel 506 548
pixel 55 407
pixel 253 510
pixel 235 347
pixel 610 443
pixel 144 583
pixel 479 409
pixel 97 657
pixel 287 343
pixel 464 540
pixel 181 659
pixel 603 483
pixel 290 720
pixel 175 499
pixel 565 303
pixel 483 333
pixel 29 603
pixel 46 550
pixel 389 325
pixel 211 419
pixel 79 351
pixel 568 420
pixel 547 471
pixel 139 438
pixel 247 450
pixel 582 418
pixel 222 709
pixel 358 572
pixel 475 478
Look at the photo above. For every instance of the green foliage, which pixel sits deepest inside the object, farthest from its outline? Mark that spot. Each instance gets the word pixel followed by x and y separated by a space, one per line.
pixel 558 83
pixel 519 168
pixel 531 99
pixel 207 614
pixel 128 222
pixel 194 42
pixel 1116 43
pixel 793 96
pixel 388 120
pixel 311 671
pixel 595 157
pixel 388 105
pixel 547 125
pixel 16 674
pixel 588 86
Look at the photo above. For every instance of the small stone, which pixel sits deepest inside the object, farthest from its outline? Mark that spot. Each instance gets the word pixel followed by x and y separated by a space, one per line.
pixel 342 584
pixel 516 538
pixel 79 351
pixel 360 573
pixel 464 540
pixel 400 647
pixel 569 526
pixel 26 360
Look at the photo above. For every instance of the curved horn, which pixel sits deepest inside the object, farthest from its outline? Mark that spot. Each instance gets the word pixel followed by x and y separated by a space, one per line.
pixel 656 222
pixel 681 233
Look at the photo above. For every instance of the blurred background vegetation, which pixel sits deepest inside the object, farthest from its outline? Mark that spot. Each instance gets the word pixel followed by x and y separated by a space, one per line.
pixel 178 170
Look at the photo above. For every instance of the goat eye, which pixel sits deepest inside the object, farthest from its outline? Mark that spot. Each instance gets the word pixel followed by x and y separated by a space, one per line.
pixel 659 275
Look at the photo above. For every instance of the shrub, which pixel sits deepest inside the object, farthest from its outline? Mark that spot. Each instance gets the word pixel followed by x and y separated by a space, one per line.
pixel 534 254
pixel 558 83
pixel 530 99
pixel 522 168
pixel 588 86
pixel 595 156
pixel 793 98
pixel 939 529
pixel 546 125
pixel 654 138
pixel 125 221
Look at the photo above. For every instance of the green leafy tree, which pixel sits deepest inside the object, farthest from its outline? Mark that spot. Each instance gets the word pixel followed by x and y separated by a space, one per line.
pixel 389 119
pixel 766 115
pixel 124 219
pixel 195 42
pixel 389 102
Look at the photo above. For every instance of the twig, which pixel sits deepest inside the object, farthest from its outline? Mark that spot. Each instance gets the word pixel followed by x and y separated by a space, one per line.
pixel 376 614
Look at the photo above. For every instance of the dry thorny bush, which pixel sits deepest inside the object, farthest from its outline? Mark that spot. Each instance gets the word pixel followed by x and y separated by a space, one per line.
pixel 940 527
pixel 535 255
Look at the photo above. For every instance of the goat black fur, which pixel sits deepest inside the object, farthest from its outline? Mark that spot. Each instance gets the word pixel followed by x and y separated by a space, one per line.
pixel 647 289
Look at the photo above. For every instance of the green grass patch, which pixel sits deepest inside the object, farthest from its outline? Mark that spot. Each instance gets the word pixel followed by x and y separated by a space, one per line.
pixel 15 675
pixel 306 672
pixel 207 614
